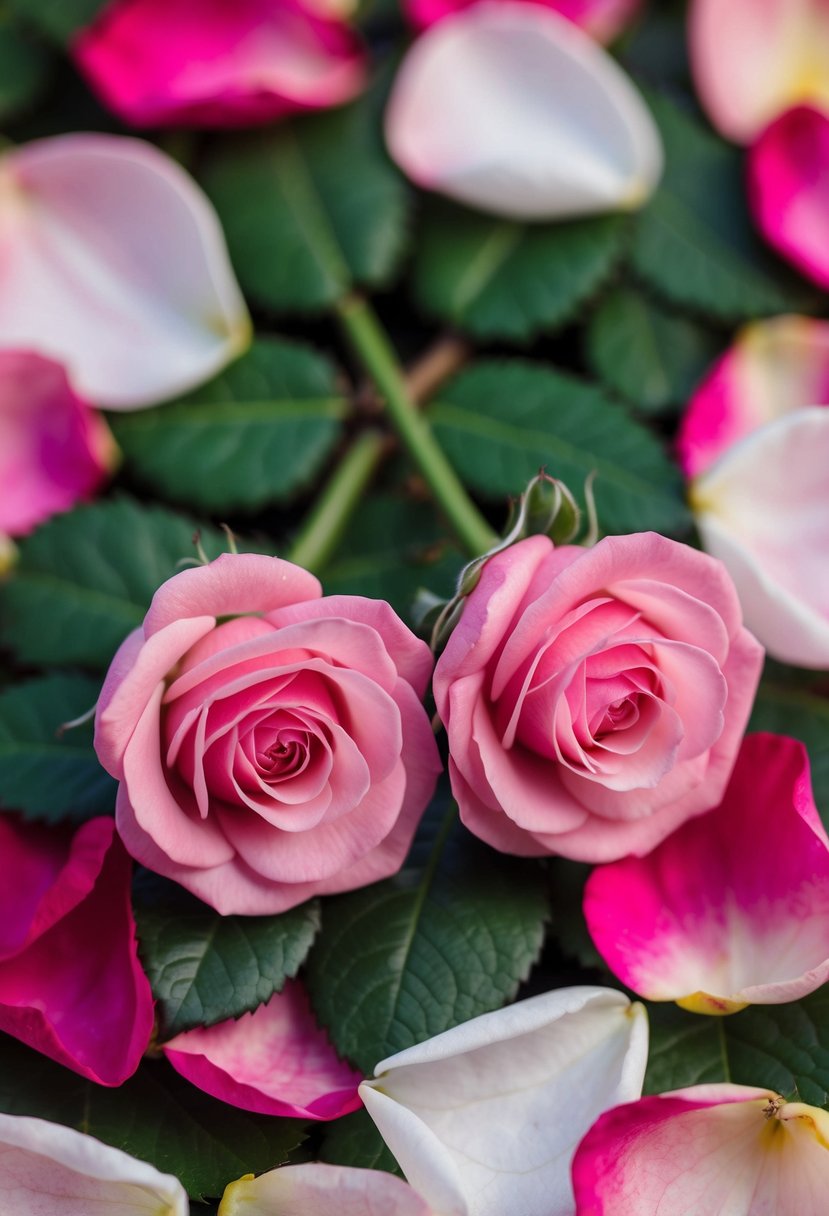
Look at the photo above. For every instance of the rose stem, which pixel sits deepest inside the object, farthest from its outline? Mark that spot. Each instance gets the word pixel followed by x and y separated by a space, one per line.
pixel 374 350
pixel 325 523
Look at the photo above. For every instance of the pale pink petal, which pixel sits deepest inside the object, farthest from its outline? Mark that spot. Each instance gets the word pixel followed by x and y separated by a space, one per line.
pixel 698 920
pixel 314 1189
pixel 726 1150
pixel 788 188
pixel 773 367
pixel 753 59
pixel 49 1170
pixel 235 584
pixel 54 449
pixel 73 988
pixel 218 64
pixel 512 109
pixel 113 262
pixel 484 1117
pixel 604 20
pixel 763 510
pixel 275 1061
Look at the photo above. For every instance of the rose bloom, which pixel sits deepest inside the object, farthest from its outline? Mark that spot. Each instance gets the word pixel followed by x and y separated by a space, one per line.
pixel 271 744
pixel 594 699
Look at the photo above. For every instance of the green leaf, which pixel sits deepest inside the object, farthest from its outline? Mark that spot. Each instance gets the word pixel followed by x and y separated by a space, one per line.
pixel 438 944
pixel 310 209
pixel 390 550
pixel 43 773
pixel 85 579
pixel 205 968
pixel 501 421
pixel 258 433
pixel 355 1141
pixel 786 711
pixel 24 71
pixel 502 279
pixel 650 356
pixel 779 1047
pixel 695 241
pixel 156 1116
pixel 60 19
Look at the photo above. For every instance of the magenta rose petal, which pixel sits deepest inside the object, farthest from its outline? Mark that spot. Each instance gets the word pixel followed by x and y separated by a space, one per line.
pixel 604 20
pixel 789 189
pixel 275 1061
pixel 773 367
pixel 56 450
pixel 699 921
pixel 607 700
pixel 73 969
pixel 210 63
pixel 725 1150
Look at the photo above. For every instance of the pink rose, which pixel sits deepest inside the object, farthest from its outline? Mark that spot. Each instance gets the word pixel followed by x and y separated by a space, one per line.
pixel 271 744
pixel 594 698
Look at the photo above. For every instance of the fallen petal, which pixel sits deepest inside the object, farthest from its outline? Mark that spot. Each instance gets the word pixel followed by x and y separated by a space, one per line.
pixel 320 1190
pixel 113 262
pixel 49 1170
pixel 275 1061
pixel 725 1150
pixel 788 188
pixel 485 1117
pixel 54 449
pixel 733 908
pixel 763 510
pixel 751 61
pixel 211 63
pixel 510 108
pixel 772 368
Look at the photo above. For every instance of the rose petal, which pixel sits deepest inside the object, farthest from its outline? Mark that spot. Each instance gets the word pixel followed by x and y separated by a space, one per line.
pixel 54 449
pixel 774 367
pixel 510 108
pixel 111 250
pixel 753 60
pixel 210 63
pixel 275 1061
pixel 314 1189
pixel 726 1150
pixel 699 921
pixel 485 1117
pixel 789 189
pixel 48 1170
pixel 763 510
pixel 74 989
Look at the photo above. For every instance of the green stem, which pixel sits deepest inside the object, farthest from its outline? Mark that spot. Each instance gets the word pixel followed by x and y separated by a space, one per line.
pixel 380 361
pixel 325 523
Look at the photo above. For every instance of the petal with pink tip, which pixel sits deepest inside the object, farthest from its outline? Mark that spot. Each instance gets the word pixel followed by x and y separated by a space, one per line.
pixel 763 510
pixel 215 64
pixel 315 1189
pixel 512 109
pixel 753 59
pixel 275 1061
pixel 484 1118
pixel 773 367
pixel 113 261
pixel 725 1150
pixel 70 982
pixel 54 449
pixel 604 20
pixel 49 1170
pixel 788 188
pixel 733 908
